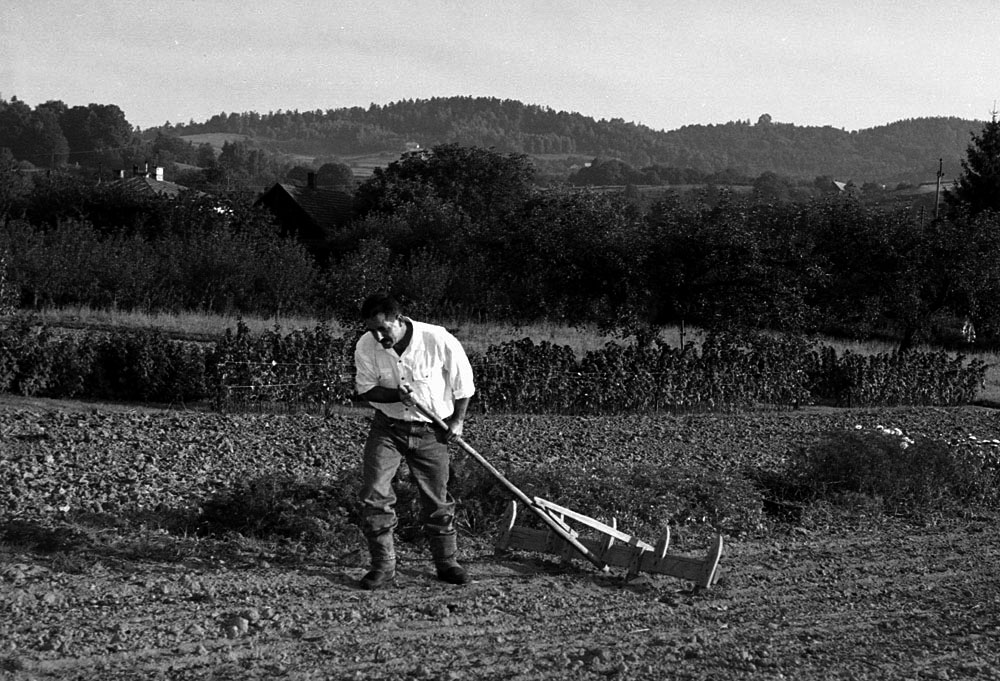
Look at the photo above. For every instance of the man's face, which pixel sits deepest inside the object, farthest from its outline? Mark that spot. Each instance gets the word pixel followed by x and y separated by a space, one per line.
pixel 388 330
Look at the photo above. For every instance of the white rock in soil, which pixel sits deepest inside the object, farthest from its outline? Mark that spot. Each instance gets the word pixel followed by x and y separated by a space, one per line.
pixel 235 626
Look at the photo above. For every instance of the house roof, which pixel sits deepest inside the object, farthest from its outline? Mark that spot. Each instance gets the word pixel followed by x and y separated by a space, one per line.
pixel 151 186
pixel 327 207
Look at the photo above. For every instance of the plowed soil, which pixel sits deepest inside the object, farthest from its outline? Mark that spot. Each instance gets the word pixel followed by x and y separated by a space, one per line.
pixel 858 597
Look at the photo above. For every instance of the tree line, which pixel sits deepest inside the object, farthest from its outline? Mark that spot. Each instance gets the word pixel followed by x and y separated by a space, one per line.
pixel 900 151
pixel 465 232
pixel 98 136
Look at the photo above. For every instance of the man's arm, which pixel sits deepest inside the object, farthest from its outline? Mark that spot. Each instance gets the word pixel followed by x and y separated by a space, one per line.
pixel 366 376
pixel 456 421
pixel 381 395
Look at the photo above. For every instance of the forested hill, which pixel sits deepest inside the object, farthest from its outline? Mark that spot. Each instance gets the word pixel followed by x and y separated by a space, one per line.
pixel 903 151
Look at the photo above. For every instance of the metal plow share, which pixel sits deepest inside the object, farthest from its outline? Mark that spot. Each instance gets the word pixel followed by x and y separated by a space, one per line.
pixel 610 548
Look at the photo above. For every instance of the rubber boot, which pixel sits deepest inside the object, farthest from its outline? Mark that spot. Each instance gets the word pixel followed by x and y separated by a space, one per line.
pixel 444 550
pixel 383 561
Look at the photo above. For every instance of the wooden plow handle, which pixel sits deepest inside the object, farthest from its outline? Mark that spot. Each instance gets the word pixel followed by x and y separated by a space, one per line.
pixel 553 523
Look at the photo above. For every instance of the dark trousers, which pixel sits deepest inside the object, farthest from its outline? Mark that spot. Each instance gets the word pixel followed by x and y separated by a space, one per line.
pixel 389 443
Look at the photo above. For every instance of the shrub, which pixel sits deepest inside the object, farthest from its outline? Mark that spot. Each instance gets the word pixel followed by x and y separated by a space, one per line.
pixel 135 366
pixel 523 376
pixel 906 475
pixel 72 364
pixel 303 367
pixel 730 371
pixel 910 378
pixel 310 368
pixel 314 510
pixel 146 365
pixel 8 290
pixel 26 355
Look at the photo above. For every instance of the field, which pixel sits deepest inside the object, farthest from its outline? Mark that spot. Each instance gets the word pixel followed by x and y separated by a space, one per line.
pixel 104 572
pixel 363 164
pixel 216 139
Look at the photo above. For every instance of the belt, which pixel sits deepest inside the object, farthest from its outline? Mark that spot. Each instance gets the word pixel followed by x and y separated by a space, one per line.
pixel 402 424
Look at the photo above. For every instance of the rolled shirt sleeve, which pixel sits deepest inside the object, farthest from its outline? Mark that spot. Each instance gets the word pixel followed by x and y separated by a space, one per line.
pixel 366 371
pixel 458 369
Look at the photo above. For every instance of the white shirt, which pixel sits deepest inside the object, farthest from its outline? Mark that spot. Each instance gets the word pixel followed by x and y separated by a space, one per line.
pixel 434 365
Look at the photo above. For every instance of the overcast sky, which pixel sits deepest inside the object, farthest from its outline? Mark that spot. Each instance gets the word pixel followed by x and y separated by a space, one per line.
pixel 665 64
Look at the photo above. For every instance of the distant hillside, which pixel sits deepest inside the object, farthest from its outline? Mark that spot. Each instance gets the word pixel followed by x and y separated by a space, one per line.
pixel 903 151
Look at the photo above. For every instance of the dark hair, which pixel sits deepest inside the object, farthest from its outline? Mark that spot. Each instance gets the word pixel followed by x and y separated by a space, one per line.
pixel 380 303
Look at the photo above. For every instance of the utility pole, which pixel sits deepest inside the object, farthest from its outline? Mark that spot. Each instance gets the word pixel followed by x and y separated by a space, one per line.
pixel 937 189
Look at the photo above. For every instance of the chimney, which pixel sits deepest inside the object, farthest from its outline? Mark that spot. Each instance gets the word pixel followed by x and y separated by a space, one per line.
pixel 159 173
pixel 311 180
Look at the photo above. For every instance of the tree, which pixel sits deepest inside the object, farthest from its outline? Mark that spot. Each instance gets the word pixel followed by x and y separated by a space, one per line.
pixel 172 149
pixel 33 136
pixel 99 134
pixel 884 269
pixel 8 289
pixel 241 166
pixel 335 174
pixel 771 187
pixel 570 255
pixel 14 186
pixel 605 172
pixel 978 187
pixel 299 174
pixel 46 136
pixel 724 263
pixel 205 157
pixel 481 183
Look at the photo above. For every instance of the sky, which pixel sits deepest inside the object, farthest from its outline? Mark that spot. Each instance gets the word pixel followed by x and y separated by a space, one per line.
pixel 661 63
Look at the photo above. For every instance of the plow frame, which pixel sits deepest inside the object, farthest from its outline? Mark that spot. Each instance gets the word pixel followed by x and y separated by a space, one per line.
pixel 613 548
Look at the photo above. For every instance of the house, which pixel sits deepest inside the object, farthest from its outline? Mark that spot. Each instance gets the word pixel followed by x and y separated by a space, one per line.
pixel 149 184
pixel 314 214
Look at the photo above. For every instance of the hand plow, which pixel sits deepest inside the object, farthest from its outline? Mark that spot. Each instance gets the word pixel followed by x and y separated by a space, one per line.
pixel 611 547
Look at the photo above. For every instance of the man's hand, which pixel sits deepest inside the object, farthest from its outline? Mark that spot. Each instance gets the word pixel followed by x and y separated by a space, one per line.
pixel 456 422
pixel 406 395
pixel 455 427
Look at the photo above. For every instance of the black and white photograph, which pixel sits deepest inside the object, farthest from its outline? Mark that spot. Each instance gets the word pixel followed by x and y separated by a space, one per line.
pixel 525 340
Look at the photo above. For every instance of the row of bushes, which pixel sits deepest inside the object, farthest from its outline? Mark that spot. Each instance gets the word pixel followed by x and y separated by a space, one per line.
pixel 314 368
pixel 130 366
pixel 728 371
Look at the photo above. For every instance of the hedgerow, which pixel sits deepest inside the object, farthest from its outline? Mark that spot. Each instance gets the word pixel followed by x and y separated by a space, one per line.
pixel 301 368
pixel 922 378
pixel 147 366
pixel 314 369
pixel 128 365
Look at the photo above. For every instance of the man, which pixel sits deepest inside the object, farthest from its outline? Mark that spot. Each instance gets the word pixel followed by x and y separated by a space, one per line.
pixel 396 356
